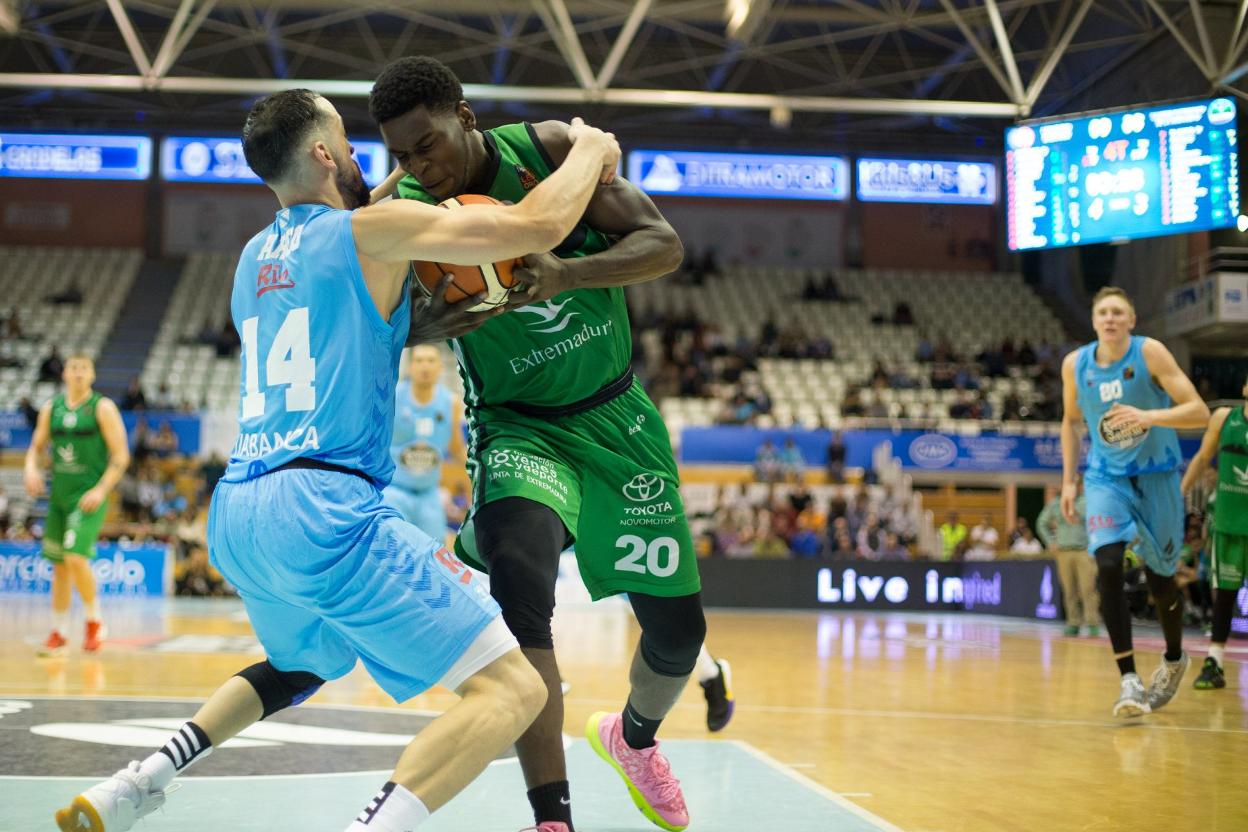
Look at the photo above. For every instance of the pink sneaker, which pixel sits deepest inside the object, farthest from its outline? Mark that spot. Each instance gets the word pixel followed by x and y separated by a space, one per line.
pixel 647 772
pixel 547 826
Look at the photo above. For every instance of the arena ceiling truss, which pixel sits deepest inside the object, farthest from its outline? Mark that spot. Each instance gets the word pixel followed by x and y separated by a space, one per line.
pixel 709 68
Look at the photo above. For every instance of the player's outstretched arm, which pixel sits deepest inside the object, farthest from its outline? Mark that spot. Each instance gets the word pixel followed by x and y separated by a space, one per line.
pixel 402 230
pixel 646 246
pixel 1208 450
pixel 1072 420
pixel 1189 410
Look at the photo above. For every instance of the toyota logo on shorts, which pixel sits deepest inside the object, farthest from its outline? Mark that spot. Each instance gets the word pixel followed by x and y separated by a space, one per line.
pixel 643 488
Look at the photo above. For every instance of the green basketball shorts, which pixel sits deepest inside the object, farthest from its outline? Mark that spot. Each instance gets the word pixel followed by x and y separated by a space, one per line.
pixel 609 474
pixel 69 530
pixel 1229 561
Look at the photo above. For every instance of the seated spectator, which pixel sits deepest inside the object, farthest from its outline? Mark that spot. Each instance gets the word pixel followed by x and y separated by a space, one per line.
pixel 953 536
pixel 1020 525
pixel 870 538
pixel 843 546
pixel 227 341
pixel 1027 544
pixel 852 405
pixel 830 290
pixel 164 399
pixel 767 463
pixel 71 295
pixel 892 549
pixel 1012 408
pixel 836 458
pixel 902 316
pixel 134 399
pixel 29 412
pixel 792 462
pixel 800 499
pixel 197 576
pixel 983 541
pixel 165 443
pixel 710 263
pixel 51 368
pixel 925 351
pixel 805 544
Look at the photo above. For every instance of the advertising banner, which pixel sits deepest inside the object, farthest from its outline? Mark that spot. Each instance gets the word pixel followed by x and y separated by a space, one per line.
pixel 119 570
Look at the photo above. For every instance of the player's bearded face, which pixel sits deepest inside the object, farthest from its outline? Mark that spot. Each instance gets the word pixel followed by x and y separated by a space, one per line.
pixel 350 181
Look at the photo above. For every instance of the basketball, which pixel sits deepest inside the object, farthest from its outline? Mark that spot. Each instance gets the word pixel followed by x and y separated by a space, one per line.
pixel 495 280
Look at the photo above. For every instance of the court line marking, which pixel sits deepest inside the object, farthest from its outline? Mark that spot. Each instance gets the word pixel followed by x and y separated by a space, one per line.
pixel 818 788
pixel 567 740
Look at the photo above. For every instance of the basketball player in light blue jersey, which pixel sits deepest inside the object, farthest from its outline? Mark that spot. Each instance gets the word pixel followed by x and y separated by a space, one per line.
pixel 1130 394
pixel 426 431
pixel 329 574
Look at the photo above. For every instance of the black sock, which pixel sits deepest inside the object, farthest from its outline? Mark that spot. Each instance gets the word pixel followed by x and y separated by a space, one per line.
pixel 1223 612
pixel 638 730
pixel 1169 602
pixel 552 801
pixel 1114 610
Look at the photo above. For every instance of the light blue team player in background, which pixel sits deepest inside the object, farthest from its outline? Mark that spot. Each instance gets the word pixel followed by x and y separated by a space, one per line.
pixel 427 430
pixel 1131 395
pixel 329 575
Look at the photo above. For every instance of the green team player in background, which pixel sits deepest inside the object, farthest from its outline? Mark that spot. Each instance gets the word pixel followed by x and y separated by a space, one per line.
pixel 564 445
pixel 1227 439
pixel 89 455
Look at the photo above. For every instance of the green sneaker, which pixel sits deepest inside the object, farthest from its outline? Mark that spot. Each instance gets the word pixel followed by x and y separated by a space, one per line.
pixel 1094 631
pixel 1071 630
pixel 1211 676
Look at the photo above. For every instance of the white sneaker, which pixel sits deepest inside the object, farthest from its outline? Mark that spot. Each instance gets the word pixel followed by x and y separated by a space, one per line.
pixel 113 805
pixel 1133 701
pixel 1166 681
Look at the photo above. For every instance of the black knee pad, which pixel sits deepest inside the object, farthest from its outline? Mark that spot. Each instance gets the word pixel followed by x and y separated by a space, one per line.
pixel 520 542
pixel 672 632
pixel 280 689
pixel 526 594
pixel 1163 588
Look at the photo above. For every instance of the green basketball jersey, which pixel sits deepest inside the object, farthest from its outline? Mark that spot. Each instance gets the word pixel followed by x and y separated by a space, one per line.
pixel 1232 514
pixel 79 454
pixel 553 353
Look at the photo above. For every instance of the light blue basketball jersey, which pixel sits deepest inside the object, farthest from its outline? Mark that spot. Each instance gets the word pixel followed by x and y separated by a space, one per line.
pixel 422 435
pixel 1123 453
pixel 319 363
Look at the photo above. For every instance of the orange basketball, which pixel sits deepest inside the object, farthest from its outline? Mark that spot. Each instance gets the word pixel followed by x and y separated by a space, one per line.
pixel 495 280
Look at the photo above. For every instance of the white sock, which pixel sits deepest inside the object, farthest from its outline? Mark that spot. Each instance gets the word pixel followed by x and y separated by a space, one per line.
pixel 185 748
pixel 1217 652
pixel 394 809
pixel 93 610
pixel 706 669
pixel 60 621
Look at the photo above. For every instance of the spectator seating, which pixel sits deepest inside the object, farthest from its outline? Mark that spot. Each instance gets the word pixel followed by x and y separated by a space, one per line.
pixel 29 275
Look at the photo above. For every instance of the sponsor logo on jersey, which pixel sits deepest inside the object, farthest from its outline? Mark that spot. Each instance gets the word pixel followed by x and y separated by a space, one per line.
pixel 644 488
pixel 527 180
pixel 420 458
pixel 1124 438
pixel 1241 475
pixel 547 314
pixel 70 419
pixel 272 276
pixel 538 356
pixel 1128 373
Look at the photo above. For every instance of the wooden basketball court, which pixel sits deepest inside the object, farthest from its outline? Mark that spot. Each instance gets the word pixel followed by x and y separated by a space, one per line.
pixel 844 721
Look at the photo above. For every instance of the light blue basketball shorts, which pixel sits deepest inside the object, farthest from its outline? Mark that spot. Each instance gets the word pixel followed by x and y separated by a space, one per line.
pixel 423 509
pixel 1146 509
pixel 330 574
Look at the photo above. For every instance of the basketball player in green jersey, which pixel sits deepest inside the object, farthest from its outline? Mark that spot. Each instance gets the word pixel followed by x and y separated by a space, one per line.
pixel 564 445
pixel 89 455
pixel 1227 438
